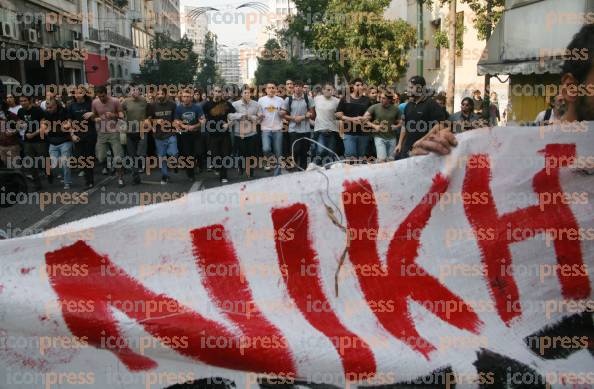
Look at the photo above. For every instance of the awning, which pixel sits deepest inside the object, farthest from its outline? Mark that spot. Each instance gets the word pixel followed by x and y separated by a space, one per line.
pixel 527 40
pixel 526 67
pixel 7 80
pixel 72 64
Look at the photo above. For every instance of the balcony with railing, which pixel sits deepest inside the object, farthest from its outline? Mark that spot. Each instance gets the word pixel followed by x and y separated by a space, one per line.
pixel 109 37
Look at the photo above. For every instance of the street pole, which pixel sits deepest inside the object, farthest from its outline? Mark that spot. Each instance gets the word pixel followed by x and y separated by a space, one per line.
pixel 452 58
pixel 290 37
pixel 487 94
pixel 420 38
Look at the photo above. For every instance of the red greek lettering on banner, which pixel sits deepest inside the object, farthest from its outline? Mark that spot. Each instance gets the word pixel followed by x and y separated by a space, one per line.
pixel 542 218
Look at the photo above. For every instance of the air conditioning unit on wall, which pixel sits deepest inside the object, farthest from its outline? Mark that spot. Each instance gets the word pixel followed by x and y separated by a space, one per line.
pixel 32 35
pixel 7 30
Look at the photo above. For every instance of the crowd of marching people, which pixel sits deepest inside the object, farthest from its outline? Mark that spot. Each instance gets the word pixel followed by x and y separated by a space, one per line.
pixel 284 128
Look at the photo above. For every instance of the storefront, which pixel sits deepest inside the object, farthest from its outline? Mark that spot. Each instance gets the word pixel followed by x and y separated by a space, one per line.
pixel 528 46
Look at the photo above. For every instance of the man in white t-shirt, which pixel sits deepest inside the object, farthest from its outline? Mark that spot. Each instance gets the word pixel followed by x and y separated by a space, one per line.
pixel 269 113
pixel 326 125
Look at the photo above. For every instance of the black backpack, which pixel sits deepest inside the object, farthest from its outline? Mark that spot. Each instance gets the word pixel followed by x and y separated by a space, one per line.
pixel 289 106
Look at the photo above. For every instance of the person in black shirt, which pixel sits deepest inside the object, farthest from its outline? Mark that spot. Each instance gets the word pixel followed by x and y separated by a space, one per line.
pixel 421 114
pixel 84 134
pixel 350 110
pixel 54 128
pixel 217 127
pixel 162 113
pixel 35 147
pixel 441 100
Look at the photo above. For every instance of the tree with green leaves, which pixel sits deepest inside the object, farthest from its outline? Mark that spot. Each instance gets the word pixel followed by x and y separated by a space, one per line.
pixel 370 46
pixel 488 13
pixel 173 62
pixel 299 24
pixel 208 73
pixel 275 65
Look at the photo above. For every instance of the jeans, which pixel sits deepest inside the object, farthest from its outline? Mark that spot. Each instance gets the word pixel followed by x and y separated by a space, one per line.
pixel 188 143
pixel 35 151
pixel 219 145
pixel 85 148
pixel 136 147
pixel 384 148
pixel 60 154
pixel 247 149
pixel 272 141
pixel 105 139
pixel 328 139
pixel 355 146
pixel 166 148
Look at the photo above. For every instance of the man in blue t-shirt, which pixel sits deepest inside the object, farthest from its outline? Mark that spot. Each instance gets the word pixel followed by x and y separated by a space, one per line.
pixel 189 117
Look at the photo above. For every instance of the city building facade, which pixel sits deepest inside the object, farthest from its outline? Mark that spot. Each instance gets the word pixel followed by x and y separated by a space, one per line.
pixel 195 27
pixel 527 47
pixel 167 14
pixel 91 41
pixel 435 59
pixel 107 35
pixel 229 65
pixel 41 42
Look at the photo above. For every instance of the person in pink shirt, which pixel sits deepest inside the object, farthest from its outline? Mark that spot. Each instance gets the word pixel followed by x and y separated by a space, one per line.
pixel 107 112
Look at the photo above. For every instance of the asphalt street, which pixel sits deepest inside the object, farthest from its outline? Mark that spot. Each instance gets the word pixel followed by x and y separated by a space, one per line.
pixel 53 206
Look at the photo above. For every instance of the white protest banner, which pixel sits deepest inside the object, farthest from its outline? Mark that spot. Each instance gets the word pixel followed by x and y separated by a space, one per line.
pixel 473 268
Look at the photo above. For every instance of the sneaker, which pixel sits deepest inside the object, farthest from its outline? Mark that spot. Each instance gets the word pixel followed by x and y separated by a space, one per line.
pixel 140 171
pixel 224 180
pixel 66 186
pixel 164 180
pixel 104 171
pixel 81 173
pixel 267 169
pixel 121 183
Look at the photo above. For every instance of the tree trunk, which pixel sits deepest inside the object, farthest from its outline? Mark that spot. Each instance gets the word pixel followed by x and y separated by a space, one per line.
pixel 452 58
pixel 487 94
